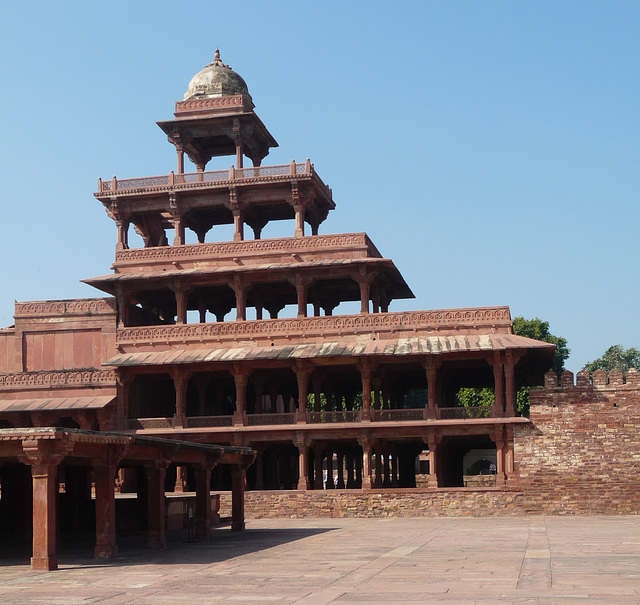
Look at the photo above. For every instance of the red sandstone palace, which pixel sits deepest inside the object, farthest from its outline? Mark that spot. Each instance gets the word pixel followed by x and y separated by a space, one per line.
pixel 243 343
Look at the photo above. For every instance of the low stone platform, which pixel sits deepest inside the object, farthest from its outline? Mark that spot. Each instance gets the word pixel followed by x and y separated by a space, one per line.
pixel 480 561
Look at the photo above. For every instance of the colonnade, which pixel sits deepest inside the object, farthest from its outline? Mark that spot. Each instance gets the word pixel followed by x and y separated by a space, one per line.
pixel 240 291
pixel 362 391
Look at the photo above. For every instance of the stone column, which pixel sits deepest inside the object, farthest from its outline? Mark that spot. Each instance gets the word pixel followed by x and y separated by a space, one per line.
pixel 259 469
pixel 156 504
pixel 203 502
pixel 303 463
pixel 44 457
pixel 378 466
pixel 510 394
pixel 350 472
pixel 299 210
pixel 366 463
pixel 387 475
pixel 180 166
pixel 329 483
pixel 363 282
pixel 394 470
pixel 237 497
pixel 104 473
pixel 241 298
pixel 241 379
pixel 44 516
pixel 433 440
pixel 238 225
pixel 182 294
pixel 365 373
pixel 181 479
pixel 317 463
pixel 180 382
pixel 498 372
pixel 432 365
pixel 303 372
pixel 340 483
pixel 123 235
pixel 500 456
pixel 301 285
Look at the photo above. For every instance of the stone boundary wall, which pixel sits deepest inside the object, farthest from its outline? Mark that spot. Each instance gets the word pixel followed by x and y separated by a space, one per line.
pixel 581 452
pixel 460 502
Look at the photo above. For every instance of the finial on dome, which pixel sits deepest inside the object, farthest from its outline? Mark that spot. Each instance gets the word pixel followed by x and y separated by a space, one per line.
pixel 217 55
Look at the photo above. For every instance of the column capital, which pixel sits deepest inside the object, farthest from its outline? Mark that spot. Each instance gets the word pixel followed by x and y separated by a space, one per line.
pixel 44 453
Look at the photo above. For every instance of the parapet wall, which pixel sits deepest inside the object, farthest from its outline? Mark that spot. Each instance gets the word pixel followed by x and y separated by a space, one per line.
pixel 581 452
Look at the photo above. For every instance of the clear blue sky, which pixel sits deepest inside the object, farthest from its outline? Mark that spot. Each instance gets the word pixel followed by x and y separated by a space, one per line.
pixel 492 149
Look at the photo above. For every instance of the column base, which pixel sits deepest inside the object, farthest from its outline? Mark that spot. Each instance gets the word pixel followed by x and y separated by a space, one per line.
pixel 44 563
pixel 155 542
pixel 106 551
pixel 237 526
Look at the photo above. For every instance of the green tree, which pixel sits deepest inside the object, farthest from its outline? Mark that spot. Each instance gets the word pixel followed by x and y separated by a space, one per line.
pixel 615 358
pixel 538 329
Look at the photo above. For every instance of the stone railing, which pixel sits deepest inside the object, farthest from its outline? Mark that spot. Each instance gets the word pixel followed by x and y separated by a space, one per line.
pixel 149 423
pixel 398 415
pixel 343 416
pixel 269 419
pixel 303 326
pixel 244 249
pixel 55 308
pixel 461 413
pixel 207 178
pixel 194 422
pixel 31 380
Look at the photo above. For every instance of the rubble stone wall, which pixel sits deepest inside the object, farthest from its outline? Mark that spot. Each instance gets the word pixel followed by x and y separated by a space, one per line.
pixel 581 452
pixel 460 502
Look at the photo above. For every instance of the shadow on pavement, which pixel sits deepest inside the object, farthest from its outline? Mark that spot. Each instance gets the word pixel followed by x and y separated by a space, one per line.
pixel 223 545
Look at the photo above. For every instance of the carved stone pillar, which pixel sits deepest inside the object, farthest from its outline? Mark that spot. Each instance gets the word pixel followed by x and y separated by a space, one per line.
pixel 180 382
pixel 104 475
pixel 241 298
pixel 378 466
pixel 182 294
pixel 431 366
pixel 156 504
pixel 500 447
pixel 329 484
pixel 340 460
pixel 365 373
pixel 238 475
pixel 433 440
pixel 509 383
pixel 300 211
pixel 241 380
pixel 203 501
pixel 363 282
pixel 366 463
pixel 303 462
pixel 303 372
pixel 44 457
pixel 123 235
pixel 498 376
pixel 238 225
pixel 386 470
pixel 317 463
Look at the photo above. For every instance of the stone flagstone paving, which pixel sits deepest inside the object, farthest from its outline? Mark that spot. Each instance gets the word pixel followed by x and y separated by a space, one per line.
pixel 474 561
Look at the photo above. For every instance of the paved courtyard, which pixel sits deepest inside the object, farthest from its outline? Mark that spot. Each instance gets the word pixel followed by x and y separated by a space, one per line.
pixel 540 560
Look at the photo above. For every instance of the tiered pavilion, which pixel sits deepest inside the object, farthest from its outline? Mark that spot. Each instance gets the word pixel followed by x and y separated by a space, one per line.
pixel 244 342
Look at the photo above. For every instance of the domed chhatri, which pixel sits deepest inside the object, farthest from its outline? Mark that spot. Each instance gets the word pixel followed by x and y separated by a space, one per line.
pixel 216 80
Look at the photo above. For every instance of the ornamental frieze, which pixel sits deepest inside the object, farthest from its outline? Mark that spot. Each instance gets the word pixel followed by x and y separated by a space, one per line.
pixel 57 378
pixel 372 322
pixel 238 248
pixel 88 306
